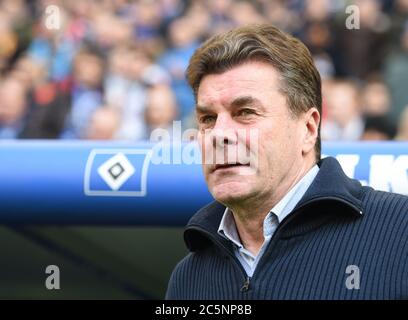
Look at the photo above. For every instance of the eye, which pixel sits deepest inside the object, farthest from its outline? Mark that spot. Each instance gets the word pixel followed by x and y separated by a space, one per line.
pixel 207 119
pixel 245 112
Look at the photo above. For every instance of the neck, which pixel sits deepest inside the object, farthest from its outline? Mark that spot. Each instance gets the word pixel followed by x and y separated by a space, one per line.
pixel 250 214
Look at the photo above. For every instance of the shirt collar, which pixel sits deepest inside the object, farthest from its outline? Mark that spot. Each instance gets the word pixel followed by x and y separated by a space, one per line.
pixel 290 200
pixel 228 229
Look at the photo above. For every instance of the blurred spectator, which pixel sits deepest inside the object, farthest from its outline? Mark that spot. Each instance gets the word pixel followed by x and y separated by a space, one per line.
pixel 279 14
pixel 13 108
pixel 103 125
pixel 49 102
pixel 402 133
pixel 147 20
pixel 170 9
pixel 375 98
pixel 244 12
pixel 183 42
pixel 396 75
pixel 317 37
pixel 317 10
pixel 200 20
pixel 220 15
pixel 88 71
pixel 108 30
pixel 15 31
pixel 399 14
pixel 161 109
pixel 344 119
pixel 8 42
pixel 53 47
pixel 131 70
pixel 360 51
pixel 378 128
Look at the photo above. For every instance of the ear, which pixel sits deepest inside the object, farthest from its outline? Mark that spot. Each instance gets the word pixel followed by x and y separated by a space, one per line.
pixel 311 126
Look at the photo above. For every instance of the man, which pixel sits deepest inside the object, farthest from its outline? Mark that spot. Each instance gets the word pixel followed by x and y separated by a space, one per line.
pixel 291 226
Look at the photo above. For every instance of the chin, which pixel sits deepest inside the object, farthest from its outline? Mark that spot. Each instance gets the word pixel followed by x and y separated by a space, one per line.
pixel 230 192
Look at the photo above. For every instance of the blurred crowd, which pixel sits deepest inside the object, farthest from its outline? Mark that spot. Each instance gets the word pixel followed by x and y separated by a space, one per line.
pixel 115 69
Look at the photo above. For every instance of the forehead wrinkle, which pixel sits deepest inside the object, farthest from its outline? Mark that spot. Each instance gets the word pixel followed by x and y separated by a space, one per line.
pixel 244 80
pixel 228 95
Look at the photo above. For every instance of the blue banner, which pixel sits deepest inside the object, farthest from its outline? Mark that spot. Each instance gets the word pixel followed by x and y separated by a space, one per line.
pixel 111 183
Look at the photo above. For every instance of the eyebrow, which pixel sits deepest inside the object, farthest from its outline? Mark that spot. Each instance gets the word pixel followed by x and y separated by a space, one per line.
pixel 201 109
pixel 244 101
pixel 236 103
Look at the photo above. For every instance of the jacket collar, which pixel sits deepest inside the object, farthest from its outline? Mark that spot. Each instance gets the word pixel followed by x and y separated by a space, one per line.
pixel 330 185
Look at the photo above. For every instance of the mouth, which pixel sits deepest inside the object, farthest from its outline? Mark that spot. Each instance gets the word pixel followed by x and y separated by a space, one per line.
pixel 226 166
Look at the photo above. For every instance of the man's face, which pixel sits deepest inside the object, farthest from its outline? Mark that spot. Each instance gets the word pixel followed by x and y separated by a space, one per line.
pixel 242 108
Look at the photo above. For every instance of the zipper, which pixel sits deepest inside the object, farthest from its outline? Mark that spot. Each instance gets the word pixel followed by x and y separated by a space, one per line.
pixel 245 287
pixel 290 217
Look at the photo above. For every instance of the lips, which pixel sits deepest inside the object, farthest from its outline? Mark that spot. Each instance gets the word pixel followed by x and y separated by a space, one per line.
pixel 228 166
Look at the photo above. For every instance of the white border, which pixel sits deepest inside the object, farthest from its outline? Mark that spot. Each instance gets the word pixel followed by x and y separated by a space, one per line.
pixel 88 167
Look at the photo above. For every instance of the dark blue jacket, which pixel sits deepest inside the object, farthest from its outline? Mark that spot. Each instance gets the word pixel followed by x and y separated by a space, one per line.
pixel 342 241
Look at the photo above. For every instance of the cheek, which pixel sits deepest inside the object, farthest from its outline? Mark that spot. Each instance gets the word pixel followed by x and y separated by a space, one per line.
pixel 203 144
pixel 205 150
pixel 279 144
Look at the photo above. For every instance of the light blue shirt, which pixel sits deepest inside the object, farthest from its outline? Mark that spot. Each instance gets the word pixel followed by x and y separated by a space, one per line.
pixel 275 216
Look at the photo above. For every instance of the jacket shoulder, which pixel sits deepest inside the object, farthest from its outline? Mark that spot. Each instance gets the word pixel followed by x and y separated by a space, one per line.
pixel 176 285
pixel 183 279
pixel 385 203
pixel 386 213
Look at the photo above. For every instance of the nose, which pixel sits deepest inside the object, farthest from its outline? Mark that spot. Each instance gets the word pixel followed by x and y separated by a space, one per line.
pixel 224 131
pixel 221 141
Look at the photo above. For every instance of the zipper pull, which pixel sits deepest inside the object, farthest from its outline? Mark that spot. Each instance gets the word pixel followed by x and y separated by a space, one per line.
pixel 245 287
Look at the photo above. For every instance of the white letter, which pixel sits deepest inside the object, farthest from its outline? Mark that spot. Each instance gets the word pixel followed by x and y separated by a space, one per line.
pixel 176 142
pixel 53 19
pixel 52 281
pixel 161 149
pixel 388 174
pixel 353 20
pixel 399 182
pixel 191 153
pixel 353 280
